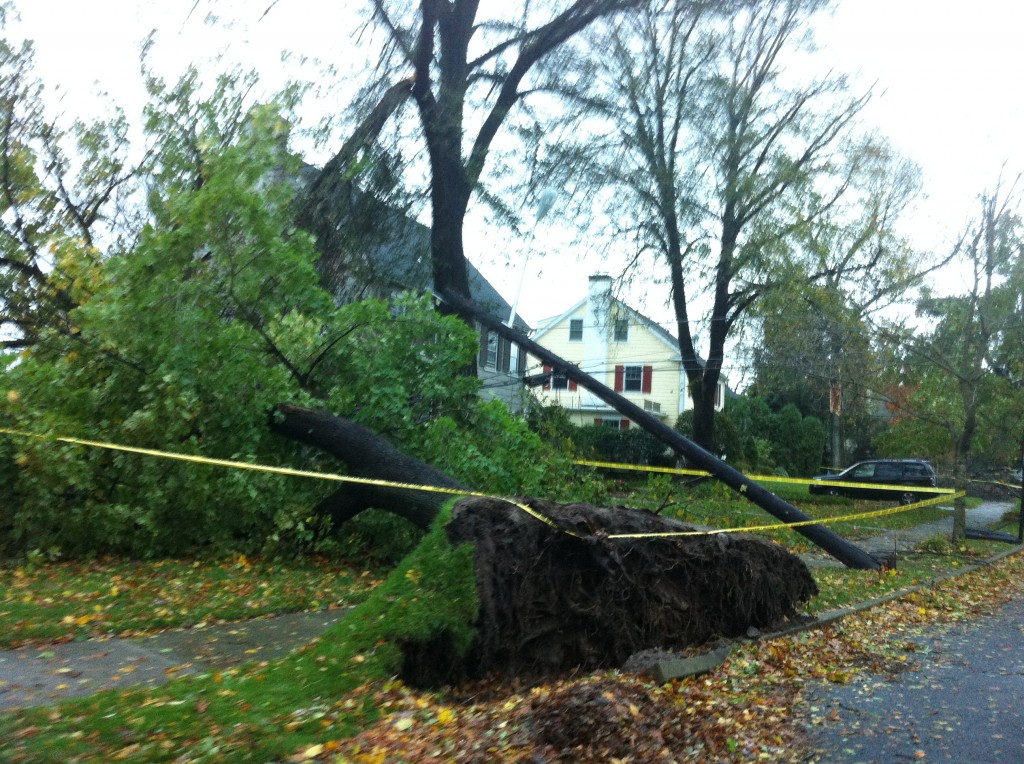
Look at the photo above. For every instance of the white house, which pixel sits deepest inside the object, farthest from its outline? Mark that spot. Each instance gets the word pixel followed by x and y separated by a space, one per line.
pixel 621 347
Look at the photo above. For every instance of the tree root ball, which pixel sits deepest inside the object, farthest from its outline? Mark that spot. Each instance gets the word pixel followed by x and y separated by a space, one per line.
pixel 552 602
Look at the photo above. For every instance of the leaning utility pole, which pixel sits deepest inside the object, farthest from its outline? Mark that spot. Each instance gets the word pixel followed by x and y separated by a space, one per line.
pixel 849 554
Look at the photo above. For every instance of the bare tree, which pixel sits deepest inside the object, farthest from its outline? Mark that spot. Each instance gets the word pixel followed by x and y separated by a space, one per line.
pixel 717 148
pixel 952 375
pixel 465 72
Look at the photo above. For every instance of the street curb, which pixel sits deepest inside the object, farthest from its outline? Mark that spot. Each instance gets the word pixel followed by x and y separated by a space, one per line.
pixel 832 616
pixel 665 670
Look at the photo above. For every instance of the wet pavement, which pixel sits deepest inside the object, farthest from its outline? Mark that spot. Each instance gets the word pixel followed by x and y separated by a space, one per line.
pixel 889 542
pixel 961 701
pixel 38 675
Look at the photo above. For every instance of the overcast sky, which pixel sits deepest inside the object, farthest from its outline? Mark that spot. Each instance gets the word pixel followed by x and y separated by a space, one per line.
pixel 948 78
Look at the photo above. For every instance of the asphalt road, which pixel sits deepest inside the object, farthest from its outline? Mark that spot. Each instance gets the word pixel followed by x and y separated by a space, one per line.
pixel 962 701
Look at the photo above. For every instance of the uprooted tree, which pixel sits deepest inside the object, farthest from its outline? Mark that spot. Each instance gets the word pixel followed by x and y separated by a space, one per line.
pixel 212 313
pixel 571 586
pixel 558 586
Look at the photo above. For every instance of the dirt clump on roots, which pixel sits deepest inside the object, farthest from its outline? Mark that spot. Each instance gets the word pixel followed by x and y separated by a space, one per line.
pixel 558 599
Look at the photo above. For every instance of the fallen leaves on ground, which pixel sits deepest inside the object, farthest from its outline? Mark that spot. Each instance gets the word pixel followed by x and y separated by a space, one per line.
pixel 746 710
pixel 87 599
pixel 743 711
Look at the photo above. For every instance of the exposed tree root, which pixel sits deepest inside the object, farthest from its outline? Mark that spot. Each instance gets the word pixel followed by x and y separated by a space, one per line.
pixel 551 602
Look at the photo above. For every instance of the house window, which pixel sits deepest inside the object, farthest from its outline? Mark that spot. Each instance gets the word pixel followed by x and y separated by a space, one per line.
pixel 617 424
pixel 621 330
pixel 492 351
pixel 634 378
pixel 575 329
pixel 558 380
pixel 633 381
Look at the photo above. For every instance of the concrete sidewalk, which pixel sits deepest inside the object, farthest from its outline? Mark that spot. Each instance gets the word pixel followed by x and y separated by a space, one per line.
pixel 37 675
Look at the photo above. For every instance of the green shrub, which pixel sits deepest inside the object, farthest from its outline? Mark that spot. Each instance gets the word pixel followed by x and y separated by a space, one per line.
pixel 632 446
pixel 186 341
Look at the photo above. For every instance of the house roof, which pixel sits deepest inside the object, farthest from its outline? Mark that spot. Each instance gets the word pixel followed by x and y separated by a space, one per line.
pixel 404 258
pixel 395 250
pixel 659 331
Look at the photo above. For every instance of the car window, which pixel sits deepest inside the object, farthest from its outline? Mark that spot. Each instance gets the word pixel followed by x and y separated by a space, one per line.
pixel 917 470
pixel 864 471
pixel 886 471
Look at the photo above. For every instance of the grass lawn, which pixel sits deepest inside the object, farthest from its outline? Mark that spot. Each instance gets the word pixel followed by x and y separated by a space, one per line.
pixel 263 710
pixel 74 600
pixel 708 503
pixel 842 587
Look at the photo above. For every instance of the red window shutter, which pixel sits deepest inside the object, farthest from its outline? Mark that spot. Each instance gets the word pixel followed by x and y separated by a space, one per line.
pixel 547 378
pixel 598 422
pixel 620 373
pixel 648 377
pixel 572 385
pixel 625 424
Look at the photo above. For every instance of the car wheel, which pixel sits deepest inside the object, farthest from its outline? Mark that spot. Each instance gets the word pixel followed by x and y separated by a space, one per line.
pixel 907 498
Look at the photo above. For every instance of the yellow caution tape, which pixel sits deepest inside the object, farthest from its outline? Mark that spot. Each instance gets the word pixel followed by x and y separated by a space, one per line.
pixel 1015 486
pixel 761 478
pixel 799 524
pixel 290 472
pixel 641 468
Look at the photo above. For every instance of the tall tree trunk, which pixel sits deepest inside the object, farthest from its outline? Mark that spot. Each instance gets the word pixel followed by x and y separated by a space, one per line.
pixel 711 372
pixel 836 457
pixel 962 456
pixel 704 413
pixel 450 198
pixel 959 503
pixel 835 393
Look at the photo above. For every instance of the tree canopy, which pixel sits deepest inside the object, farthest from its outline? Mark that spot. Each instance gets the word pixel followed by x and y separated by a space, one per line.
pixel 170 289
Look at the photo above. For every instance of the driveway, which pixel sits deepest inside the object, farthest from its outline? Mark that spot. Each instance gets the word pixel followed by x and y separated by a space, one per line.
pixel 889 542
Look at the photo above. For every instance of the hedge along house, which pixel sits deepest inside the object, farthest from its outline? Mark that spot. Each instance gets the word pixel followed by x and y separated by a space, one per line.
pixel 618 346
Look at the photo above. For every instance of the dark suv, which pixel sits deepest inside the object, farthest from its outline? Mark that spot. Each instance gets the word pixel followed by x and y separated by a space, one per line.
pixel 912 473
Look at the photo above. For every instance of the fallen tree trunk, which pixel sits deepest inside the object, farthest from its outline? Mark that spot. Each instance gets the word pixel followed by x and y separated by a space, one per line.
pixel 565 594
pixel 849 554
pixel 366 455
